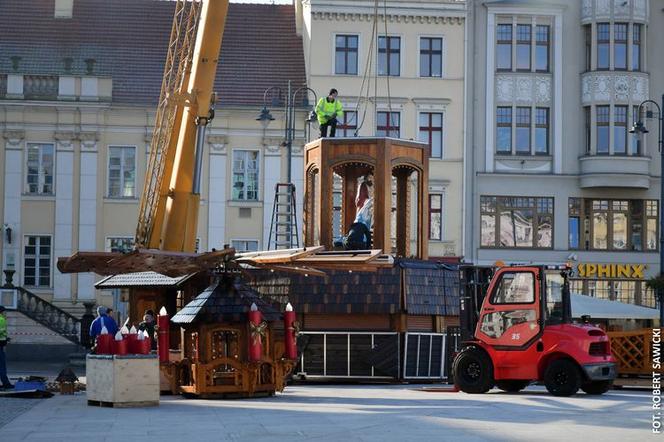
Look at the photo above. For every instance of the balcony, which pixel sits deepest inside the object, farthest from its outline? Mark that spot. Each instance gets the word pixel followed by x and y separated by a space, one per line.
pixel 615 171
pixel 592 10
pixel 613 86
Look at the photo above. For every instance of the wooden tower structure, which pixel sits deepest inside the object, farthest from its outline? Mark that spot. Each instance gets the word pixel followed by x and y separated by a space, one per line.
pixel 398 168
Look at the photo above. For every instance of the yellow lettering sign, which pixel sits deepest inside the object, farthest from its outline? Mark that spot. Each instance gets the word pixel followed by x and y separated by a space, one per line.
pixel 600 271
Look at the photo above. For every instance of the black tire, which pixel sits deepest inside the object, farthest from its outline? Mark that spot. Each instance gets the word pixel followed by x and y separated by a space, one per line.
pixel 473 371
pixel 597 387
pixel 512 386
pixel 562 378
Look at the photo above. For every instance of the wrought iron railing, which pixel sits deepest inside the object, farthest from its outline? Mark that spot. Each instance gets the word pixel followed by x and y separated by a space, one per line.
pixel 48 315
pixel 40 87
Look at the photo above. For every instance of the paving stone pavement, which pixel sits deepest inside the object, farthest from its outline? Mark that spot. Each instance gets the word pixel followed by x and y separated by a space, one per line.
pixel 11 408
pixel 347 413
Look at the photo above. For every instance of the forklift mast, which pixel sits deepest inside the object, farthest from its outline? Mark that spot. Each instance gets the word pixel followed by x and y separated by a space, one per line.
pixel 473 286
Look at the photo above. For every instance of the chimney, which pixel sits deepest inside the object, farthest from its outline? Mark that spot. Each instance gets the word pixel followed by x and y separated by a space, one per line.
pixel 64 8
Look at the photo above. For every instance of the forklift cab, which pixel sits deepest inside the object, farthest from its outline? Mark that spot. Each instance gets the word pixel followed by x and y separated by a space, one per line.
pixel 520 301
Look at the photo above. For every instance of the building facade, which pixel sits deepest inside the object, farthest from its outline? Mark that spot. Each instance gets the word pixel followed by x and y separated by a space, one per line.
pixel 553 173
pixel 403 79
pixel 78 90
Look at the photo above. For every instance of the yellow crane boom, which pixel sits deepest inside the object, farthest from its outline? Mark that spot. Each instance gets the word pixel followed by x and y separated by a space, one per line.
pixel 168 214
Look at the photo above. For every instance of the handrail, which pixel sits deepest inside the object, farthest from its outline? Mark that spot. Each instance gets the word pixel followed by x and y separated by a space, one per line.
pixel 49 315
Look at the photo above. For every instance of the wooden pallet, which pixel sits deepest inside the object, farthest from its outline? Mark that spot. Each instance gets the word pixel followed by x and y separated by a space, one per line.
pixel 105 404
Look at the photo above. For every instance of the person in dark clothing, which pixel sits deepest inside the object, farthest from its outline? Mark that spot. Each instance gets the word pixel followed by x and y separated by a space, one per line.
pixel 4 339
pixel 102 320
pixel 148 325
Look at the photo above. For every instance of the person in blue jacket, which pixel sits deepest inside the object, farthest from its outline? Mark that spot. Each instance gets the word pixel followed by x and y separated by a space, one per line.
pixel 102 320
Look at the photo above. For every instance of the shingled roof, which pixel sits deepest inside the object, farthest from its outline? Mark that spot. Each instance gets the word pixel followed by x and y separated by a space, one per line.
pixel 224 301
pixel 128 41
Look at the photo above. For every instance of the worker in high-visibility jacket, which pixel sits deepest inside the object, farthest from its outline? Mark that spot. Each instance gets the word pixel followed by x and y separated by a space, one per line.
pixel 329 110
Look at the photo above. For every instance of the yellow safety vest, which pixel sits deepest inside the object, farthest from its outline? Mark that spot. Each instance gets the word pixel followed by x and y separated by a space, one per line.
pixel 326 110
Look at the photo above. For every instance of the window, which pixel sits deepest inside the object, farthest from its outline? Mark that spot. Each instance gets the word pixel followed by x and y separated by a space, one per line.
pixel 431 131
pixel 522 130
pixel 348 124
pixel 39 174
pixel 574 223
pixel 504 48
pixel 603 116
pixel 504 129
pixel 636 47
pixel 589 46
pixel 389 56
pixel 388 124
pixel 521 222
pixel 523 39
pixel 628 225
pixel 245 175
pixel 120 244
pixel 620 129
pixel 515 288
pixel 542 48
pixel 121 172
pixel 37 261
pixel 345 60
pixel 588 128
pixel 245 245
pixel 436 217
pixel 603 45
pixel 431 57
pixel 620 46
pixel 652 217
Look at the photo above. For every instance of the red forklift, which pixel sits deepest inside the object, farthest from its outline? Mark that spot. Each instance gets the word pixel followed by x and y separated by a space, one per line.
pixel 516 328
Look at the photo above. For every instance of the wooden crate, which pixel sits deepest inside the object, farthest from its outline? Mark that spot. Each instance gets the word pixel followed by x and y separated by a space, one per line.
pixel 122 381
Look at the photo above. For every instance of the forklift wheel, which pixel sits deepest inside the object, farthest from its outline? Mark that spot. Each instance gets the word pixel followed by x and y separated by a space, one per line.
pixel 473 371
pixel 562 378
pixel 512 386
pixel 597 387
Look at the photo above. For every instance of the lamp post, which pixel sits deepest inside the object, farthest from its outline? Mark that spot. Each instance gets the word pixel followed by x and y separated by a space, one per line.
pixel 639 129
pixel 266 117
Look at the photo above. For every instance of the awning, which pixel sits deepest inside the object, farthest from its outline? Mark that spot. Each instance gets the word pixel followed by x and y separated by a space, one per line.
pixel 605 309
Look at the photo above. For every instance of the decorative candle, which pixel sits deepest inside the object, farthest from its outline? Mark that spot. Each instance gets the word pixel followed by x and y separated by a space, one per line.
pixel 256 331
pixel 290 333
pixel 163 341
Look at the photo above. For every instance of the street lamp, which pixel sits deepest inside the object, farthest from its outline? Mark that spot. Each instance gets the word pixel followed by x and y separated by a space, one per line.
pixel 265 117
pixel 639 129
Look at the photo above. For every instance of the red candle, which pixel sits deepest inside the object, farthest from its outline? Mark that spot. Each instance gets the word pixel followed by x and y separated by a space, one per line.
pixel 104 344
pixel 132 339
pixel 290 333
pixel 163 324
pixel 255 330
pixel 121 347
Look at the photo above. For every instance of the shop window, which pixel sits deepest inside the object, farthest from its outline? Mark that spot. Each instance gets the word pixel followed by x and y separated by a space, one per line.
pixel 627 225
pixel 516 222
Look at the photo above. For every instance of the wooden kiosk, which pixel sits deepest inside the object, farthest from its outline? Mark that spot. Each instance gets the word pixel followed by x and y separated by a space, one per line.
pixel 393 164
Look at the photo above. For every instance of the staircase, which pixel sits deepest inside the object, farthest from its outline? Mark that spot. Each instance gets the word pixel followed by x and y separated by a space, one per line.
pixel 283 229
pixel 48 315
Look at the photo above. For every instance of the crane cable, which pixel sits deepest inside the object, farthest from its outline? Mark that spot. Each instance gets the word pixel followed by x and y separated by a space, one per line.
pixel 366 79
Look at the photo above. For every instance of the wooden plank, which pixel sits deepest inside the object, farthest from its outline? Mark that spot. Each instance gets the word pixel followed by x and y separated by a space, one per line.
pixel 278 256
